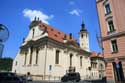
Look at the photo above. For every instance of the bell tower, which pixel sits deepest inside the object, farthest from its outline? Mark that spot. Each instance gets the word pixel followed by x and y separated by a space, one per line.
pixel 84 37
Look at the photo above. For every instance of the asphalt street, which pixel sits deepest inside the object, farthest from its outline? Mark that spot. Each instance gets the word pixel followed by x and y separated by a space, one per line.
pixel 71 82
pixel 65 82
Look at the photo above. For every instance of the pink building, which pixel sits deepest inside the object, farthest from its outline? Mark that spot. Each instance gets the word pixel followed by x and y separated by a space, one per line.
pixel 111 15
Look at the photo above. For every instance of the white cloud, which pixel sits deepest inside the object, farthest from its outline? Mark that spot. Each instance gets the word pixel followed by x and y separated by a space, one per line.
pixel 76 12
pixel 71 2
pixel 31 14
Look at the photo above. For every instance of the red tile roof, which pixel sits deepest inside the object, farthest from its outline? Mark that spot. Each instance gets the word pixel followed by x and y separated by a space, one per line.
pixel 56 34
pixel 95 54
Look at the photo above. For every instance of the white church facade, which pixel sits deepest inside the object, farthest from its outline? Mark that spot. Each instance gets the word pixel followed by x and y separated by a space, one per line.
pixel 47 53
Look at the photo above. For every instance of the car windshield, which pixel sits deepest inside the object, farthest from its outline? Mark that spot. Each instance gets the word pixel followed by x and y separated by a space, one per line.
pixel 72 74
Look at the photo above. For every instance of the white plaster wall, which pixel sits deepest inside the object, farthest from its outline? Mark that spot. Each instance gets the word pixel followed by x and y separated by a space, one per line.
pixel 86 64
pixel 19 59
pixel 37 34
pixel 35 69
pixel 64 62
pixel 96 70
pixel 57 69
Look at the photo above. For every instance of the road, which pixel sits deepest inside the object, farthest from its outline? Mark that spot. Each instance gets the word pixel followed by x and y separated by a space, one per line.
pixel 71 82
pixel 64 82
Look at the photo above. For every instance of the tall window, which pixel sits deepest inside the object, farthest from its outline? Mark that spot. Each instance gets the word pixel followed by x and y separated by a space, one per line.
pixel 33 33
pixel 114 46
pixel 107 9
pixel 57 57
pixel 31 53
pixel 16 63
pixel 71 59
pixel 25 58
pixel 110 26
pixel 81 61
pixel 37 53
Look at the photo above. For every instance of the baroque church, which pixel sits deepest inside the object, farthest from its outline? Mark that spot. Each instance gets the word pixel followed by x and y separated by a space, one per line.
pixel 47 53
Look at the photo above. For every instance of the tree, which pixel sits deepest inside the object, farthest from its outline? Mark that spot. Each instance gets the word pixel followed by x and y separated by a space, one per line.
pixel 6 64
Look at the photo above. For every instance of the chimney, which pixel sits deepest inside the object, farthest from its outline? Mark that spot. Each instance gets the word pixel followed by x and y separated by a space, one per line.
pixel 64 39
pixel 38 18
pixel 35 18
pixel 70 35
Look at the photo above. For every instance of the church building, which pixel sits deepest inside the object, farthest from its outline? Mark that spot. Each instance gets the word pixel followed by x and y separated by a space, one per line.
pixel 47 53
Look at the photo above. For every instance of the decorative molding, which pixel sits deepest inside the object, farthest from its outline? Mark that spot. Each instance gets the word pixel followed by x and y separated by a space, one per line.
pixel 35 65
pixel 97 1
pixel 111 59
pixel 58 65
pixel 105 2
pixel 116 34
pixel 109 17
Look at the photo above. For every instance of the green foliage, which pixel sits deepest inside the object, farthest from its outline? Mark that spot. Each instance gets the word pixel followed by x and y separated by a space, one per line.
pixel 6 64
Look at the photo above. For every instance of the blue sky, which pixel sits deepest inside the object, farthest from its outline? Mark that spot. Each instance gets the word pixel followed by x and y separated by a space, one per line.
pixel 64 15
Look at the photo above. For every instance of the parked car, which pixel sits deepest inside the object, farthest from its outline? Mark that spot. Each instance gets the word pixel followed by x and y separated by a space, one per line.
pixel 9 77
pixel 71 77
pixel 7 74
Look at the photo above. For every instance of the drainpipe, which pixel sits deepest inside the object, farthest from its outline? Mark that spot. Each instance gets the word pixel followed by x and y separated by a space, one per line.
pixel 45 60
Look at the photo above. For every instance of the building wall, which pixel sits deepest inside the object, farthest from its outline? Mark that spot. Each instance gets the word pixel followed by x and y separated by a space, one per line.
pixel 57 70
pixel 109 71
pixel 97 72
pixel 121 49
pixel 84 45
pixel 46 69
pixel 117 8
pixel 118 16
pixel 33 68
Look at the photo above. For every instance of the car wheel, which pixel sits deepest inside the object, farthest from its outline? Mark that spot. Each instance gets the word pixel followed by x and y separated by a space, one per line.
pixel 77 80
pixel 63 80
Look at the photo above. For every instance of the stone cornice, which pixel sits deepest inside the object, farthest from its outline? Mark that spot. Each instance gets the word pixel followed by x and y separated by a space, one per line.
pixel 34 43
pixel 112 35
pixel 97 1
pixel 111 59
pixel 53 43
pixel 69 46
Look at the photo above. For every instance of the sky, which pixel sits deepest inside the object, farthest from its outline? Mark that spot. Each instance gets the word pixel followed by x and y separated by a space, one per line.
pixel 64 15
